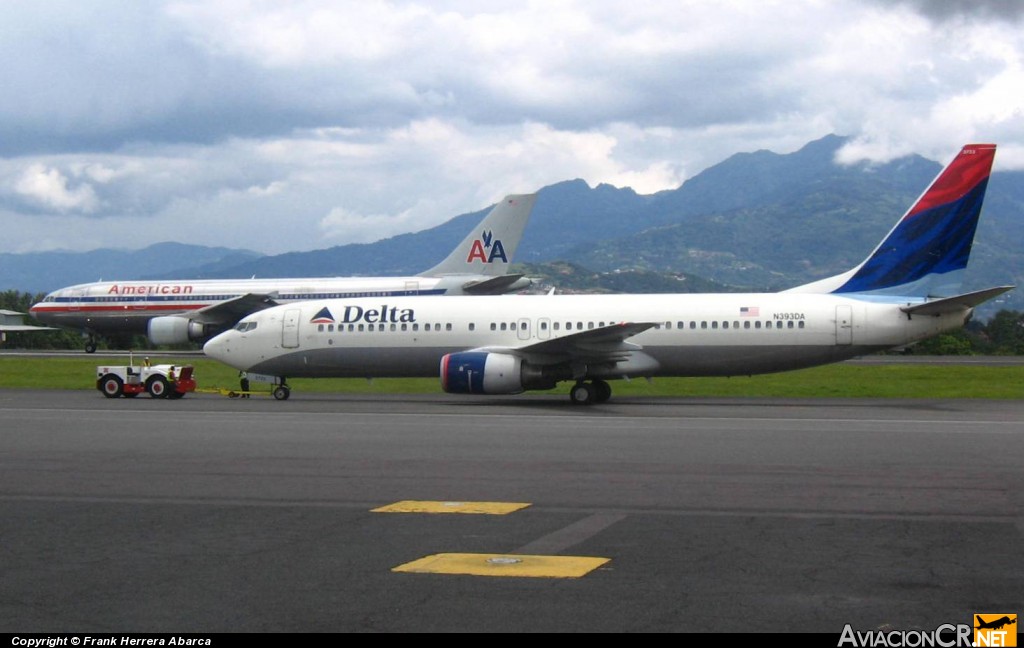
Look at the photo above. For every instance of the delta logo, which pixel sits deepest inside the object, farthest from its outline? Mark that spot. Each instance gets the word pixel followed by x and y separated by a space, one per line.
pixel 354 314
pixel 323 316
pixel 995 630
pixel 486 249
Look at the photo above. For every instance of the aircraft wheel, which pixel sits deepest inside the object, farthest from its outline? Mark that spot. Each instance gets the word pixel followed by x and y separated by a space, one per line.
pixel 112 387
pixel 157 387
pixel 602 391
pixel 90 347
pixel 282 393
pixel 581 394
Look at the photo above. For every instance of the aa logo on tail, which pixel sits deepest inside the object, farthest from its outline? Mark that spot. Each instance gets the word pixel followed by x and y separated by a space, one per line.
pixel 993 630
pixel 486 249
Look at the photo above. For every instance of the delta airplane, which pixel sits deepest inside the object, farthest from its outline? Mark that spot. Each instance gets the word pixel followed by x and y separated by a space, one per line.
pixel 906 290
pixel 172 312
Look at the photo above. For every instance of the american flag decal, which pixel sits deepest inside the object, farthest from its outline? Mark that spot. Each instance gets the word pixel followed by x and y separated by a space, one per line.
pixel 749 311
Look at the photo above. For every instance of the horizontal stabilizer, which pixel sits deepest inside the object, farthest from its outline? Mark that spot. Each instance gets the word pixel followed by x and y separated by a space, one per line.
pixel 957 303
pixel 495 285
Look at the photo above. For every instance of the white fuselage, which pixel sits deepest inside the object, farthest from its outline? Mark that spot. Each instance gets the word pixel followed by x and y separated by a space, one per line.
pixel 127 306
pixel 695 334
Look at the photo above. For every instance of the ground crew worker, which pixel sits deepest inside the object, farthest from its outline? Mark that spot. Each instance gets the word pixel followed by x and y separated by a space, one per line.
pixel 244 382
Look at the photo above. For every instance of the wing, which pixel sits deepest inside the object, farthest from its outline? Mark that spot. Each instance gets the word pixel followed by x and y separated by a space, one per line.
pixel 602 345
pixel 228 312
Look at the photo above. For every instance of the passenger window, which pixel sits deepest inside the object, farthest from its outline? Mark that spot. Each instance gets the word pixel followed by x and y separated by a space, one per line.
pixel 472 326
pixel 800 324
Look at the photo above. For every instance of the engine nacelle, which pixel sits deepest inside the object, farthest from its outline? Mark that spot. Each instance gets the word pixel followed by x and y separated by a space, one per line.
pixel 171 329
pixel 480 372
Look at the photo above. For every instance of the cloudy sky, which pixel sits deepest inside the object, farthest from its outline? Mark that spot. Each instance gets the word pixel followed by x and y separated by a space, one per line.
pixel 292 126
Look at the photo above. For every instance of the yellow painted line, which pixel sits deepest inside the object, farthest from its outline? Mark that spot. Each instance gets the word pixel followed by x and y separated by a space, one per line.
pixel 513 565
pixel 478 508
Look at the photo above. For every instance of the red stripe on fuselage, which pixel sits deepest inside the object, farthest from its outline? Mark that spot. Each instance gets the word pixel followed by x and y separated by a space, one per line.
pixel 118 309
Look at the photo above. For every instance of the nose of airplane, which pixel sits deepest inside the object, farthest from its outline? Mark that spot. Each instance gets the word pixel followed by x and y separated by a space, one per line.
pixel 219 347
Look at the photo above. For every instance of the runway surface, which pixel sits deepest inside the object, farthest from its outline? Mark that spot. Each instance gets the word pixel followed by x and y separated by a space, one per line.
pixel 210 514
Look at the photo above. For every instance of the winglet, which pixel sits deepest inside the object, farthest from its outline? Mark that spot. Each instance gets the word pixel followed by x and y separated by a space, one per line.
pixel 491 245
pixel 926 253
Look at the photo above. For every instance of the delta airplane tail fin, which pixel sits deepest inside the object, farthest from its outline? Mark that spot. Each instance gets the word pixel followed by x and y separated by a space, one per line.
pixel 490 246
pixel 926 253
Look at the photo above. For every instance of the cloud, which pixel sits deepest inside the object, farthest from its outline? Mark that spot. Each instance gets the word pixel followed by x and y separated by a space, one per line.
pixel 291 126
pixel 943 10
pixel 48 188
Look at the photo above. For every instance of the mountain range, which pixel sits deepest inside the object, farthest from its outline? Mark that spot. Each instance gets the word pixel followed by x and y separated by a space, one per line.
pixel 756 221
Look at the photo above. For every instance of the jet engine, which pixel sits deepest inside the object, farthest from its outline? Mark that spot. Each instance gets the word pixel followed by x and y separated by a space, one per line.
pixel 481 372
pixel 172 329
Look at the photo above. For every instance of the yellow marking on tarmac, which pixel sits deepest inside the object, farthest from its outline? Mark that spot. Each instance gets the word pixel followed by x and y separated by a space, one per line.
pixel 513 565
pixel 478 508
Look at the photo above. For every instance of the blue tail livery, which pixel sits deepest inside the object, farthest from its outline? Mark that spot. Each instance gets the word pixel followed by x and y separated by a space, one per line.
pixel 926 253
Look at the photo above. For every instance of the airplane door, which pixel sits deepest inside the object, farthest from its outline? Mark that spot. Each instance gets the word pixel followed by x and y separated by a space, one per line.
pixel 290 329
pixel 844 325
pixel 524 328
pixel 412 287
pixel 543 328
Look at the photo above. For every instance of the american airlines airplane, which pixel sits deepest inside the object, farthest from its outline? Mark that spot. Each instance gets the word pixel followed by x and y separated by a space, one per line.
pixel 906 290
pixel 172 312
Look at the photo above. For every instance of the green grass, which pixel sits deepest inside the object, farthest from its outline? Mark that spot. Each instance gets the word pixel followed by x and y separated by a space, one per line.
pixel 838 380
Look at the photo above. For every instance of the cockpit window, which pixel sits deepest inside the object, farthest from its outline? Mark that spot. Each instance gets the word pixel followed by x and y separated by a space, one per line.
pixel 244 327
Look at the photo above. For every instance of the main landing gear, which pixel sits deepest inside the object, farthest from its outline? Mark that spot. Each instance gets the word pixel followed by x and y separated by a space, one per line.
pixel 90 345
pixel 587 393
